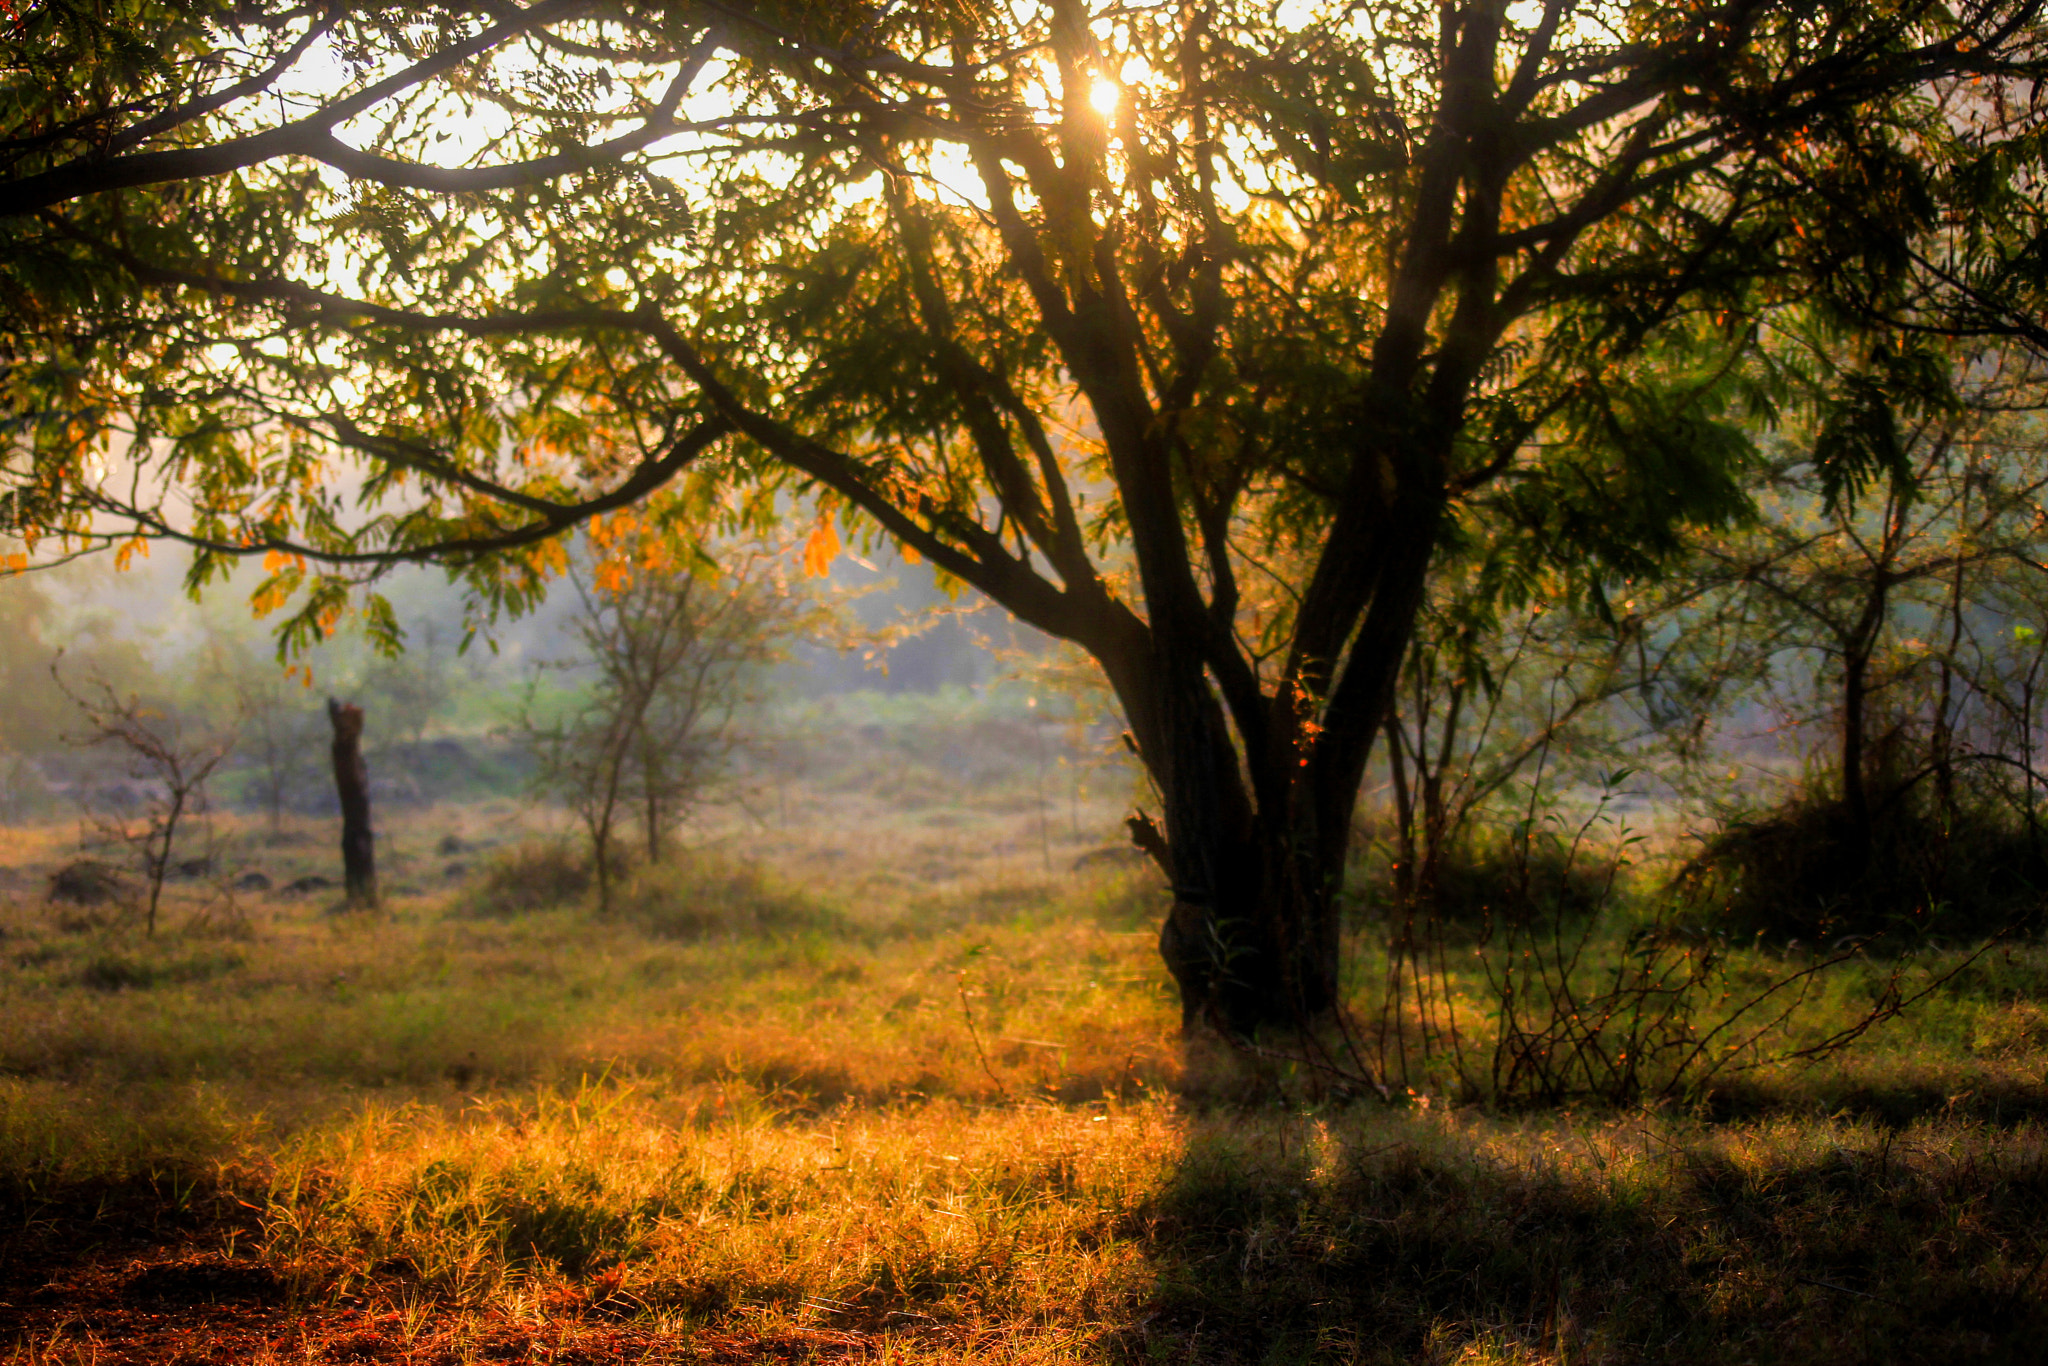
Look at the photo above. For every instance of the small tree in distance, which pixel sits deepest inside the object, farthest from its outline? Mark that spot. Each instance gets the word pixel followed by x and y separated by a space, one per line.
pixel 172 766
pixel 674 653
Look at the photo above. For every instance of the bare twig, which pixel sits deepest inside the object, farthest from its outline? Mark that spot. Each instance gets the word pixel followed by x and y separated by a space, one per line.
pixel 967 1014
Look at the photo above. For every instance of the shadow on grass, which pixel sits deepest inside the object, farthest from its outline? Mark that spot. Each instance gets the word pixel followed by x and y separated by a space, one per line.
pixel 1354 1238
pixel 1271 1236
pixel 134 1271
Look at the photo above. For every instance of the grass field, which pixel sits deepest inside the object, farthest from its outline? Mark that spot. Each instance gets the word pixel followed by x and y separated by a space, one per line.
pixel 885 1077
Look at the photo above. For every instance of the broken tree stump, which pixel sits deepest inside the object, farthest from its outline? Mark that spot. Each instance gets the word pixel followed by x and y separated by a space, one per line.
pixel 352 782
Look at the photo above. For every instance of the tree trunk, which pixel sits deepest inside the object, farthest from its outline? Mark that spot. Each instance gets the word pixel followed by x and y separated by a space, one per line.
pixel 1252 936
pixel 1259 796
pixel 1855 786
pixel 352 782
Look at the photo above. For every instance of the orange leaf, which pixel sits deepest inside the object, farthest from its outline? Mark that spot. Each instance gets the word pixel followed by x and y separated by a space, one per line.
pixel 821 549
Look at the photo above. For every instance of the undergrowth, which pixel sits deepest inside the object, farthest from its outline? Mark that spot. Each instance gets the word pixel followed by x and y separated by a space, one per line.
pixel 1920 869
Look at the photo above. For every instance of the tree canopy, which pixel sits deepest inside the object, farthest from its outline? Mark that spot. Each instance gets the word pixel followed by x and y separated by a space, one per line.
pixel 1187 333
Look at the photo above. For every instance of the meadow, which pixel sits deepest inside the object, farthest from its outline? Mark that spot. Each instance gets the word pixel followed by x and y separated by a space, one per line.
pixel 890 1071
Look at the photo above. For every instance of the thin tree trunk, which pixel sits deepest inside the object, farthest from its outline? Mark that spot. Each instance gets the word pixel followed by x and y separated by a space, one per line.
pixel 1855 692
pixel 603 815
pixel 1855 753
pixel 352 783
pixel 1407 849
pixel 1944 740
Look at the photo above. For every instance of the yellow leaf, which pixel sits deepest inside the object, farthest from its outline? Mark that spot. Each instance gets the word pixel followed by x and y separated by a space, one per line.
pixel 127 553
pixel 17 563
pixel 910 555
pixel 821 549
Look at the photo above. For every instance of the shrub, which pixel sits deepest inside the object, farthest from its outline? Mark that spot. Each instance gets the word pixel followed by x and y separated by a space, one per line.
pixel 700 898
pixel 1570 986
pixel 126 972
pixel 1482 884
pixel 87 882
pixel 1968 867
pixel 535 876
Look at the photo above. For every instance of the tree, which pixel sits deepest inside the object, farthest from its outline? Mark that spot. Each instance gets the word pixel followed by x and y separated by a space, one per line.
pixel 1183 332
pixel 1892 613
pixel 674 654
pixel 412 688
pixel 234 682
pixel 172 766
pixel 280 735
pixel 1891 590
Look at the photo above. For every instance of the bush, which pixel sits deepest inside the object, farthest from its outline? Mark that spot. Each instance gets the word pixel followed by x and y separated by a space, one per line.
pixel 698 898
pixel 1967 868
pixel 535 876
pixel 125 972
pixel 87 882
pixel 1483 884
pixel 1564 985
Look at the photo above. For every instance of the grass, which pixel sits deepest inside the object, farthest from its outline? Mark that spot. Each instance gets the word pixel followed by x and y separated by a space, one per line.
pixel 794 1102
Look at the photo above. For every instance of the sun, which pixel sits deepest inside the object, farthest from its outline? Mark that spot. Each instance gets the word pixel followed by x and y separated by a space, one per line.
pixel 1103 95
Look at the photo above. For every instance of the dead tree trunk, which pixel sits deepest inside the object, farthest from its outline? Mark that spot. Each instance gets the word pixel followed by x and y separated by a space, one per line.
pixel 352 782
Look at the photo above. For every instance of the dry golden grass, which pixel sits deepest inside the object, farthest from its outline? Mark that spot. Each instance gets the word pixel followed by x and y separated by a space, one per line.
pixel 698 1207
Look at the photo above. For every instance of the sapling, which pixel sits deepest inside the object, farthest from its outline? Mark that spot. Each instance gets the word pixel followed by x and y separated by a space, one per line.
pixel 171 767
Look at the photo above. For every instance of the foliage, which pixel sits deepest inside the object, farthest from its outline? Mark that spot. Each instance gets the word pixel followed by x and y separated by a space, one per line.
pixel 1885 625
pixel 411 689
pixel 1476 883
pixel 531 876
pixel 699 898
pixel 1492 698
pixel 36 621
pixel 1185 335
pixel 282 732
pixel 1551 980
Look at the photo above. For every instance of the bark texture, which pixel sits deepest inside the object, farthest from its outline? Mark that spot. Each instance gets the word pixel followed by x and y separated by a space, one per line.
pixel 352 784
